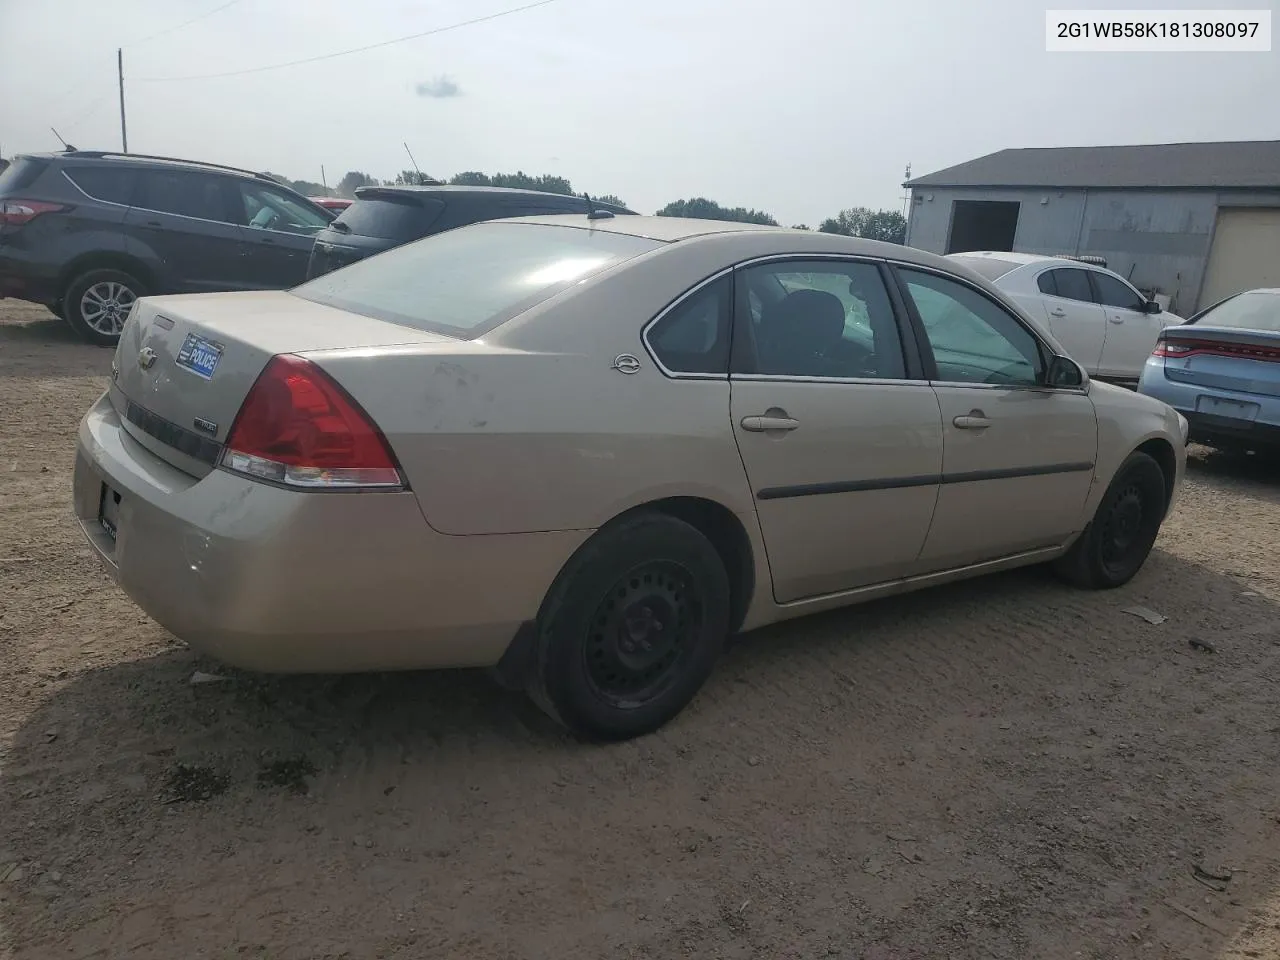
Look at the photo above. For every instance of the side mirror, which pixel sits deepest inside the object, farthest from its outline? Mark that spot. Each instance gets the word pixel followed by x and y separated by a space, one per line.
pixel 1153 307
pixel 1064 372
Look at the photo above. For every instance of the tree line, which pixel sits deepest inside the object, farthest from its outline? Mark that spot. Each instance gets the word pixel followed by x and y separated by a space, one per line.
pixel 887 225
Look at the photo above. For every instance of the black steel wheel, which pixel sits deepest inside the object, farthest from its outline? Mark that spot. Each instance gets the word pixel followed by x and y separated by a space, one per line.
pixel 631 628
pixel 1113 548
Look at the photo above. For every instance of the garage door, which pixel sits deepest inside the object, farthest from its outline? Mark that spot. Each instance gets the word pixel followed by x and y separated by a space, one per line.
pixel 1245 254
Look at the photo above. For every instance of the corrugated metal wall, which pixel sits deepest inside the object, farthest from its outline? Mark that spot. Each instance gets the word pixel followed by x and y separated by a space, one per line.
pixel 1159 240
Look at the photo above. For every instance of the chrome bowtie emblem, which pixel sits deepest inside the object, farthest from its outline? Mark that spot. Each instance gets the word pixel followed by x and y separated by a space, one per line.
pixel 626 363
pixel 146 358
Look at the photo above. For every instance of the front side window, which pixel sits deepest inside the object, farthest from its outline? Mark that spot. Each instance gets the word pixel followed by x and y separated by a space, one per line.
pixel 694 336
pixel 973 340
pixel 820 318
pixel 1117 293
pixel 186 194
pixel 465 282
pixel 267 209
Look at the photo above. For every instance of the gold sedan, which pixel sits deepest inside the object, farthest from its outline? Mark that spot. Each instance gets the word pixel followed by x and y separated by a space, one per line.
pixel 586 450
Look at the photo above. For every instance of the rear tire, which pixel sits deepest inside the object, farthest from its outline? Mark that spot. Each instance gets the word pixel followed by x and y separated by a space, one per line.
pixel 96 304
pixel 631 628
pixel 1116 543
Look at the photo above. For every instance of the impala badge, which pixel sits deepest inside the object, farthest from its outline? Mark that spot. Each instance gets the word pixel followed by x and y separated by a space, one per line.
pixel 205 426
pixel 626 363
pixel 146 358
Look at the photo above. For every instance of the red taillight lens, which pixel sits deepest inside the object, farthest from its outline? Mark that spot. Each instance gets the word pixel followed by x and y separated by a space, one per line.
pixel 14 213
pixel 1215 348
pixel 1164 349
pixel 298 427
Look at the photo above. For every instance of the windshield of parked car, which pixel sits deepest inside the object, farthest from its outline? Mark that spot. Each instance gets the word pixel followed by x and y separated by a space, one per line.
pixel 465 282
pixel 1257 310
pixel 992 268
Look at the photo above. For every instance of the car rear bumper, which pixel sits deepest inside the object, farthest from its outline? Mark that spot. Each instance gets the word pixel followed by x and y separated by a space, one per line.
pixel 1189 399
pixel 24 280
pixel 276 580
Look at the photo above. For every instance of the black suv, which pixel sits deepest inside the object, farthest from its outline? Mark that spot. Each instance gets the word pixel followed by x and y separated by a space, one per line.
pixel 386 217
pixel 87 233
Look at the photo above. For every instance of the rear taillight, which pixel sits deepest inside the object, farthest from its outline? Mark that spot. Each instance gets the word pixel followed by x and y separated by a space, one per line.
pixel 1215 348
pixel 298 427
pixel 14 213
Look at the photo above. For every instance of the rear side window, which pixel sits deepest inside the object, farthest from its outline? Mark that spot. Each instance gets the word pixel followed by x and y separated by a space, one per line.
pixel 185 194
pixel 1047 284
pixel 21 173
pixel 113 184
pixel 1072 285
pixel 465 282
pixel 694 336
pixel 400 220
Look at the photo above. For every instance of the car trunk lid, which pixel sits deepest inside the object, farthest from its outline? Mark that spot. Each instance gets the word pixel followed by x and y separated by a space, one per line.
pixel 1223 358
pixel 184 364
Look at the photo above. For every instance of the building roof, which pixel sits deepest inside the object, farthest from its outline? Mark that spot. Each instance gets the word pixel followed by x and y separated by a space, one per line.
pixel 1245 164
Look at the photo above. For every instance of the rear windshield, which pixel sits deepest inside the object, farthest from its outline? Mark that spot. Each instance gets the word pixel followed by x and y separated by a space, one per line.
pixel 1249 311
pixel 989 267
pixel 465 282
pixel 399 220
pixel 20 174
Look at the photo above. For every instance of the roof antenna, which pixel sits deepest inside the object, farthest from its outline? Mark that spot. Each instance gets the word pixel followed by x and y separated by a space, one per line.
pixel 421 178
pixel 66 146
pixel 593 213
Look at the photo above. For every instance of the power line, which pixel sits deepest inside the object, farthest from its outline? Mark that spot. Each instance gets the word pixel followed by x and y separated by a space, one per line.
pixel 168 30
pixel 344 53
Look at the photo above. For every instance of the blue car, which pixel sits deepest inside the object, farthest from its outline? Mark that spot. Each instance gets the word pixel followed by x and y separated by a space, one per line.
pixel 1221 370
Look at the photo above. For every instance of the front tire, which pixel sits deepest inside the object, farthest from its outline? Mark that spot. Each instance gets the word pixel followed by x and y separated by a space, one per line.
pixel 96 304
pixel 631 629
pixel 1116 543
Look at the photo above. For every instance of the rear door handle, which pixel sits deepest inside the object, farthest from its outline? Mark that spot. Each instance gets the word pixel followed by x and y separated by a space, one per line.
pixel 1117 318
pixel 975 420
pixel 1057 313
pixel 763 424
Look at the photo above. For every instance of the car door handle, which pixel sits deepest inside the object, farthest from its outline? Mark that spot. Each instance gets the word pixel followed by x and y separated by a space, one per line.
pixel 1117 318
pixel 974 420
pixel 1057 313
pixel 764 424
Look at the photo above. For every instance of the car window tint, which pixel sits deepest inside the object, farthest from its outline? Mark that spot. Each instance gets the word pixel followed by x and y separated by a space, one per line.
pixel 1073 285
pixel 467 281
pixel 267 209
pixel 399 220
pixel 112 184
pixel 1114 293
pixel 694 336
pixel 821 318
pixel 973 339
pixel 1047 284
pixel 185 194
pixel 21 173
pixel 1255 310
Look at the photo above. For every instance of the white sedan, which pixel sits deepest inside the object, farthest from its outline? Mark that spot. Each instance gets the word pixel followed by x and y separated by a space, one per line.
pixel 1106 325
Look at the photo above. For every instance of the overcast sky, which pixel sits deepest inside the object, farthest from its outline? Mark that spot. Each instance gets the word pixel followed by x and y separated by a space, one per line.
pixel 796 107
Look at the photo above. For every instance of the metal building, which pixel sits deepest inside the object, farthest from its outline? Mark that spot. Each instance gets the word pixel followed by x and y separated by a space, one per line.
pixel 1193 222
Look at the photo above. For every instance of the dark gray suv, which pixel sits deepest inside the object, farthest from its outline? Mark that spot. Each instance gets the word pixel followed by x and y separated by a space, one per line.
pixel 386 217
pixel 87 233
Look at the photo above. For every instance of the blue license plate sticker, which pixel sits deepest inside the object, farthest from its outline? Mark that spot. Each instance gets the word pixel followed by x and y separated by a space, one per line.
pixel 200 356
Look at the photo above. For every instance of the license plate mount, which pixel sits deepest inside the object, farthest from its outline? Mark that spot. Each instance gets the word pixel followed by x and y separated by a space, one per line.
pixel 200 356
pixel 1227 407
pixel 109 512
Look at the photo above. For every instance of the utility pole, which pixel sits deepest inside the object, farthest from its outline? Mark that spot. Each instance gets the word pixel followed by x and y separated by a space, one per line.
pixel 906 192
pixel 323 182
pixel 124 135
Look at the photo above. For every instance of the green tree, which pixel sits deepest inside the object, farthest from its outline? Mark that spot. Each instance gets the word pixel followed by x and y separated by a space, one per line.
pixel 413 178
pixel 610 198
pixel 801 226
pixel 701 208
pixel 545 183
pixel 471 178
pixel 353 179
pixel 887 225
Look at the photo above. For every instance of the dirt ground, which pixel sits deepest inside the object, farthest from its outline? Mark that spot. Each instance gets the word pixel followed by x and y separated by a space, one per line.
pixel 1000 769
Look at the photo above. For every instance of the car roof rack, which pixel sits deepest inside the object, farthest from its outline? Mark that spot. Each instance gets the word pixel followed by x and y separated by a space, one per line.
pixel 1084 258
pixel 112 154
